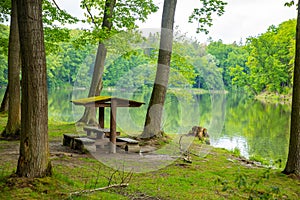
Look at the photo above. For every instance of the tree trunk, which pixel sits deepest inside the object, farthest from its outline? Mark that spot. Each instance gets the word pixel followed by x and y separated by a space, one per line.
pixel 34 151
pixel 4 103
pixel 293 161
pixel 153 120
pixel 12 129
pixel 89 115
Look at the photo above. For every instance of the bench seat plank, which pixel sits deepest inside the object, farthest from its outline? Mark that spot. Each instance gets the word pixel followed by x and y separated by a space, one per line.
pixel 128 140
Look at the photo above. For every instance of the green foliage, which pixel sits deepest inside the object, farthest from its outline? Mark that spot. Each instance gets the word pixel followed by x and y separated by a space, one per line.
pixel 4 10
pixel 124 71
pixel 52 14
pixel 63 66
pixel 183 72
pixel 136 68
pixel 289 4
pixel 229 57
pixel 204 15
pixel 54 19
pixel 236 152
pixel 4 31
pixel 125 15
pixel 264 63
pixel 129 11
pixel 271 58
pixel 251 187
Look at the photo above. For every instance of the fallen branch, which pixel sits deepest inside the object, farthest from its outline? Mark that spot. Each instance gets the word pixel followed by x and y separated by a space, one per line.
pixel 98 189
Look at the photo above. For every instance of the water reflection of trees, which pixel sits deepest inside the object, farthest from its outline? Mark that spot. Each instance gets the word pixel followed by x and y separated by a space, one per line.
pixel 59 105
pixel 265 127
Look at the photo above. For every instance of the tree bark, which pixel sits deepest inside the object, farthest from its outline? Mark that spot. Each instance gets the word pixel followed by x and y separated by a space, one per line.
pixel 89 115
pixel 293 161
pixel 34 151
pixel 12 129
pixel 154 114
pixel 4 103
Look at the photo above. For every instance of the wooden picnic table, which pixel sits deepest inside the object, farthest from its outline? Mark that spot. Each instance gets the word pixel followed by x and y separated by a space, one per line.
pixel 108 101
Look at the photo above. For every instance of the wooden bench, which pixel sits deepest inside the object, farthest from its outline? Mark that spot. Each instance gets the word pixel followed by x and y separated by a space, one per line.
pixel 131 144
pixel 68 139
pixel 100 132
pixel 80 142
pixel 127 140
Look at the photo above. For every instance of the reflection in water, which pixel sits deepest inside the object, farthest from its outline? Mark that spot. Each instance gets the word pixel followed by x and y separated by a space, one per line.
pixel 256 129
pixel 232 143
pixel 265 127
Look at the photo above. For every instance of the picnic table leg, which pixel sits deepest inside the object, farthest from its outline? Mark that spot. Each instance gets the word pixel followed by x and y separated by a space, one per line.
pixel 113 126
pixel 101 117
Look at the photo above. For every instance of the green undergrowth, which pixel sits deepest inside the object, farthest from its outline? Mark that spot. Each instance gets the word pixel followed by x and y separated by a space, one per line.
pixel 211 177
pixel 217 174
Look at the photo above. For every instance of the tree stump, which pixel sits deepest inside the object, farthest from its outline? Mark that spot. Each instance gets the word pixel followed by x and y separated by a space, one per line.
pixel 200 132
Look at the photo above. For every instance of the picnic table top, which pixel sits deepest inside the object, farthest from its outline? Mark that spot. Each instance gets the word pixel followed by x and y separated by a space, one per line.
pixel 105 101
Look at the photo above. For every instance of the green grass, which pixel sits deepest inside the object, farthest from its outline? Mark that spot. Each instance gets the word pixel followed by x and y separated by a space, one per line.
pixel 56 129
pixel 218 175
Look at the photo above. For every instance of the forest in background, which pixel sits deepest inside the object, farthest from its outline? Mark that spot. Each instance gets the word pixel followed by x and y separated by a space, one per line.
pixel 262 64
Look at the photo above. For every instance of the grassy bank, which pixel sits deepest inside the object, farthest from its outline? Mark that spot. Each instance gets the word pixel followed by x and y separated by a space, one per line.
pixel 217 175
pixel 274 98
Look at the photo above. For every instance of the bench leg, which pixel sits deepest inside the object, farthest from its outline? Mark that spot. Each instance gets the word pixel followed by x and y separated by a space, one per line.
pixel 88 133
pixel 100 135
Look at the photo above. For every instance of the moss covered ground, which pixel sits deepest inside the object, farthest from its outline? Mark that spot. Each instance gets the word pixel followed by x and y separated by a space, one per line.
pixel 218 175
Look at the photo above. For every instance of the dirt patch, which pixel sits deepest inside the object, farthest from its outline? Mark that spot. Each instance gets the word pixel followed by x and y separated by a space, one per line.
pixel 63 155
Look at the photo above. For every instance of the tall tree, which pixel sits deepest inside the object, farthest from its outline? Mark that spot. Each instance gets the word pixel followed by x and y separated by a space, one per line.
pixel 14 109
pixel 12 94
pixel 4 103
pixel 116 15
pixel 34 150
pixel 155 109
pixel 293 161
pixel 203 16
pixel 96 84
pixel 4 13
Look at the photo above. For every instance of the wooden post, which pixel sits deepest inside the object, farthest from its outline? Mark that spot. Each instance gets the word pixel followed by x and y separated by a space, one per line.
pixel 101 117
pixel 113 125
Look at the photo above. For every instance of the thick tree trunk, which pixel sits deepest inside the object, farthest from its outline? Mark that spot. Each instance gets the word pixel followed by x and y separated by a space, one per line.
pixel 4 103
pixel 153 120
pixel 293 162
pixel 34 151
pixel 12 129
pixel 89 115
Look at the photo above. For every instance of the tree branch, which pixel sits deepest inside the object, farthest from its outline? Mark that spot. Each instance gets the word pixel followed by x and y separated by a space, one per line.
pixel 98 189
pixel 90 14
pixel 56 5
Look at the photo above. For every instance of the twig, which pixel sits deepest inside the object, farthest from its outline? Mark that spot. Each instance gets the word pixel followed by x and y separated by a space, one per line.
pixel 127 178
pixel 90 14
pixel 185 154
pixel 99 189
pixel 111 177
pixel 98 173
pixel 56 5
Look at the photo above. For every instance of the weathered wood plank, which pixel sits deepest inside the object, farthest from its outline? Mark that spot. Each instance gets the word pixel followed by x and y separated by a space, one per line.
pixel 128 140
pixel 68 139
pixel 80 142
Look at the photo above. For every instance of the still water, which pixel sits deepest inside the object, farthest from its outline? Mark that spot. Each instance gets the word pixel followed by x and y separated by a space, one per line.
pixel 233 121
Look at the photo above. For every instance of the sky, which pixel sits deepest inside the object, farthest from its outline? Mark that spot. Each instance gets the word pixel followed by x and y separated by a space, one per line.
pixel 242 18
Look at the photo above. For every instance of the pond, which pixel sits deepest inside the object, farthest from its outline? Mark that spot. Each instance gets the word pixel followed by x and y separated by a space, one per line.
pixel 234 122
